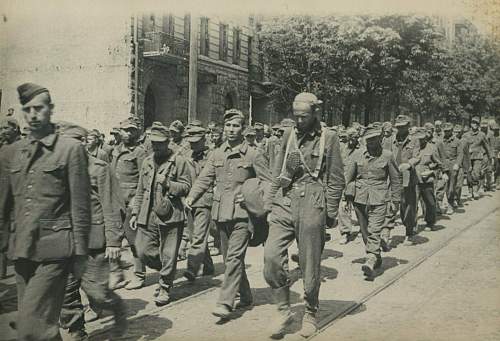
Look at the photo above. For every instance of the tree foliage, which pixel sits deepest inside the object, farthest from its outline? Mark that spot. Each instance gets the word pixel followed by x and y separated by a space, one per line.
pixel 372 68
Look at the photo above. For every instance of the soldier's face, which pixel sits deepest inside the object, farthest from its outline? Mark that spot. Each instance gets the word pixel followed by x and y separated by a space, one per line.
pixel 215 137
pixel 8 132
pixel 233 129
pixel 448 133
pixel 474 126
pixel 458 134
pixel 91 141
pixel 303 114
pixel 259 134
pixel 159 148
pixel 250 139
pixel 128 135
pixel 38 116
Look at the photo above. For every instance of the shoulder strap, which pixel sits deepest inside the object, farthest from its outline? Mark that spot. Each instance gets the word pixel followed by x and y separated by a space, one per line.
pixel 322 139
pixel 287 150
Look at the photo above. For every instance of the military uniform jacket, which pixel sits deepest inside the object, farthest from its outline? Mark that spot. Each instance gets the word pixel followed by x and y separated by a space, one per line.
pixel 454 152
pixel 478 145
pixel 377 179
pixel 405 151
pixel 197 162
pixel 46 183
pixel 331 174
pixel 100 154
pixel 229 168
pixel 441 151
pixel 126 163
pixel 428 163
pixel 178 178
pixel 105 201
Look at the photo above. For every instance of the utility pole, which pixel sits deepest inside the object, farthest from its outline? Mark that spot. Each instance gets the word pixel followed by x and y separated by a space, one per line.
pixel 193 67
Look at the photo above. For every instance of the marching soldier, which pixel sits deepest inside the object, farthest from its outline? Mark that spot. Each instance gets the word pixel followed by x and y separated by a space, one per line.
pixel 93 148
pixel 496 150
pixel 229 166
pixel 126 163
pixel 347 150
pixel 465 167
pixel 104 244
pixel 199 261
pixel 9 133
pixel 454 152
pixel 441 178
pixel 479 150
pixel 249 134
pixel 44 181
pixel 375 176
pixel 216 139
pixel 308 181
pixel 176 137
pixel 405 149
pixel 427 168
pixel 158 213
pixel 260 138
pixel 488 162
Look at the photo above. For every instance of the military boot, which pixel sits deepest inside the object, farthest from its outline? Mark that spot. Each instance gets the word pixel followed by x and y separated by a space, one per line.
pixel 371 265
pixel 309 325
pixel 385 243
pixel 136 282
pixel 279 325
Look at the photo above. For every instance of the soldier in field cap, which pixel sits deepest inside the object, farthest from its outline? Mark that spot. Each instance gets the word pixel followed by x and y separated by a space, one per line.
pixel 44 185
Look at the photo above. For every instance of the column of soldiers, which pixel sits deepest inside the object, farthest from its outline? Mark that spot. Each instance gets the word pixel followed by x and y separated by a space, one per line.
pixel 70 201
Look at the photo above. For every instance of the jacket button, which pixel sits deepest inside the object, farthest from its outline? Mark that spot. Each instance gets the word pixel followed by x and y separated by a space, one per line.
pixel 302 194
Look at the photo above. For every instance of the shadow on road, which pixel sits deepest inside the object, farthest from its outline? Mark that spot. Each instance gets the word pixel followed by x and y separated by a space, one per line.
pixel 149 327
pixel 327 253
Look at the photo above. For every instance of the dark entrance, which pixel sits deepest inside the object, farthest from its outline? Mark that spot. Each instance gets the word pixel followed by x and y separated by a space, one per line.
pixel 149 107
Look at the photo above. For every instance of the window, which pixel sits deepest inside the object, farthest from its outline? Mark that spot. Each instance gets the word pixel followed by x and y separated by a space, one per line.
pixel 204 37
pixel 250 54
pixel 187 26
pixel 168 24
pixel 223 42
pixel 236 45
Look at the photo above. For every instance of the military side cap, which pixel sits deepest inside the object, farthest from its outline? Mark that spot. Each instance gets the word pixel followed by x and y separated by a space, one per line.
pixel 28 91
pixel 458 128
pixel 276 126
pixel 494 126
pixel 447 126
pixel 115 131
pixel 308 98
pixel 94 132
pixel 258 126
pixel 420 133
pixel 373 130
pixel 129 123
pixel 402 120
pixel 438 123
pixel 484 123
pixel 249 131
pixel 216 130
pixel 476 119
pixel 195 133
pixel 387 126
pixel 159 133
pixel 9 121
pixel 232 114
pixel 71 130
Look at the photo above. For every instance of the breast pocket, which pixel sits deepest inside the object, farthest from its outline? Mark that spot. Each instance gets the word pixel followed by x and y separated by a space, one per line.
pixel 53 179
pixel 16 179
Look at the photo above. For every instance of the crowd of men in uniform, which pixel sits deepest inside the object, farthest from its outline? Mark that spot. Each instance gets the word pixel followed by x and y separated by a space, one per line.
pixel 69 199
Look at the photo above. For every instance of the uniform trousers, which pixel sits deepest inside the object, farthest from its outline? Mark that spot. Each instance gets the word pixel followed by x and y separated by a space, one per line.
pixel 477 172
pixel 344 218
pixel 441 190
pixel 40 296
pixel 301 216
pixel 158 247
pixel 428 200
pixel 408 208
pixel 95 284
pixel 371 222
pixel 487 170
pixel 234 238
pixel 453 185
pixel 199 260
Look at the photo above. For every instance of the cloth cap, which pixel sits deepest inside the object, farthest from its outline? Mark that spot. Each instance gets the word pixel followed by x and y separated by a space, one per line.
pixel 387 126
pixel 420 133
pixel 129 123
pixel 402 120
pixel 233 113
pixel 494 126
pixel 195 133
pixel 276 126
pixel 249 131
pixel 476 119
pixel 94 132
pixel 71 130
pixel 195 123
pixel 458 128
pixel 447 126
pixel 484 123
pixel 115 131
pixel 216 130
pixel 159 133
pixel 307 97
pixel 28 91
pixel 438 123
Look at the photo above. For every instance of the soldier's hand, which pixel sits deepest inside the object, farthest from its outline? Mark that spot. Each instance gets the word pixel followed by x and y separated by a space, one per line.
pixel 404 167
pixel 79 266
pixel 112 253
pixel 238 198
pixel 133 222
pixel 188 203
pixel 455 167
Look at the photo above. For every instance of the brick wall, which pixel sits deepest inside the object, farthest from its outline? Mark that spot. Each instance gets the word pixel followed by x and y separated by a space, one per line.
pixel 83 61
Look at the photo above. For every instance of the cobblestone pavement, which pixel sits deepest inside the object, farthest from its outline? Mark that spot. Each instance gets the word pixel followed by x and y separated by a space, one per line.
pixel 420 294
